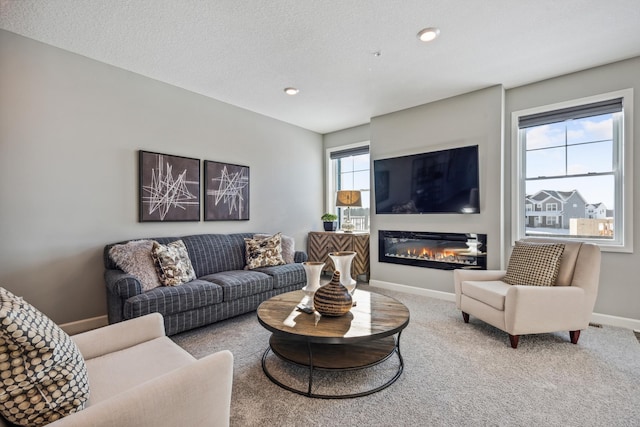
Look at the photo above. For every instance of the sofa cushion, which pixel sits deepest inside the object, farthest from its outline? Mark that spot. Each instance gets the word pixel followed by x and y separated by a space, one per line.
pixel 241 283
pixel 134 258
pixel 285 275
pixel 492 292
pixel 172 263
pixel 44 376
pixel 212 253
pixel 534 264
pixel 116 372
pixel 173 299
pixel 264 252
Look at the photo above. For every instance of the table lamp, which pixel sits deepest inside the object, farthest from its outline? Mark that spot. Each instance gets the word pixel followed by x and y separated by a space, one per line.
pixel 347 199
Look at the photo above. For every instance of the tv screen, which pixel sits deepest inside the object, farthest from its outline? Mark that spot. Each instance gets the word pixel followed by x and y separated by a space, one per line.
pixel 445 181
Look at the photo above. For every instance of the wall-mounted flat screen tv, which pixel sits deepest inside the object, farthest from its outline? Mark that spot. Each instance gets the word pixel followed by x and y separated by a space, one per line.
pixel 445 181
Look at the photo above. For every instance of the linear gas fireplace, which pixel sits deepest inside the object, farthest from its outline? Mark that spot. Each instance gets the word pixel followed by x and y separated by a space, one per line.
pixel 445 251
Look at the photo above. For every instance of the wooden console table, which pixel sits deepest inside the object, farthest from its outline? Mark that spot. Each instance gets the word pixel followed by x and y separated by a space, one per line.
pixel 320 243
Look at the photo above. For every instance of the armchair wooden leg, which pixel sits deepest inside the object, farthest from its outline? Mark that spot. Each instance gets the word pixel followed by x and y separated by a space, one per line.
pixel 574 336
pixel 514 340
pixel 465 317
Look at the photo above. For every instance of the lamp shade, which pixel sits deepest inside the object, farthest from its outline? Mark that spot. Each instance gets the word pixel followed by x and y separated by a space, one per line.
pixel 348 198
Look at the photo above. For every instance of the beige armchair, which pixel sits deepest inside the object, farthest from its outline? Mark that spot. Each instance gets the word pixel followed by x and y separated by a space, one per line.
pixel 520 309
pixel 139 377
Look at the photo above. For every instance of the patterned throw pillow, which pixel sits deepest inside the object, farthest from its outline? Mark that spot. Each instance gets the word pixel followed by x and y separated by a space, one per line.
pixel 134 258
pixel 44 377
pixel 172 263
pixel 264 252
pixel 288 247
pixel 535 264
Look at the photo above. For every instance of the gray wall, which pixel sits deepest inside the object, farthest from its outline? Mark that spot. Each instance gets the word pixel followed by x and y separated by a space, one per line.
pixel 471 119
pixel 70 129
pixel 619 291
pixel 484 117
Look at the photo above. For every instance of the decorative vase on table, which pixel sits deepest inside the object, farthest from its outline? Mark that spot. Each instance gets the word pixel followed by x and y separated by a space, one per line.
pixel 342 263
pixel 333 299
pixel 313 271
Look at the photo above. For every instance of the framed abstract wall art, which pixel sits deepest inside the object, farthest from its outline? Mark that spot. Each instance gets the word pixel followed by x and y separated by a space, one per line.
pixel 169 187
pixel 226 192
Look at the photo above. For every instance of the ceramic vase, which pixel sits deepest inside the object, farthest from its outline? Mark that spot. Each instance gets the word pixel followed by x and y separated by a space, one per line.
pixel 332 299
pixel 342 263
pixel 313 271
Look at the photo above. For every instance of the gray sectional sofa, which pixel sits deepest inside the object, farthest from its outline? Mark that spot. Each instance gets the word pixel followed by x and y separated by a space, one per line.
pixel 222 289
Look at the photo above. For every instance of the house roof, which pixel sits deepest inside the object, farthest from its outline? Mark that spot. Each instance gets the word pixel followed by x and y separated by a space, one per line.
pixel 351 60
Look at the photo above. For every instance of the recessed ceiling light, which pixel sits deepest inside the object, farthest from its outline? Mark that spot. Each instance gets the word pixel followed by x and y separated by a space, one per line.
pixel 428 34
pixel 291 91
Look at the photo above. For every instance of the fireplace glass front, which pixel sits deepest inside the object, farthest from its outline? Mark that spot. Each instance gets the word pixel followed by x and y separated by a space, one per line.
pixel 445 251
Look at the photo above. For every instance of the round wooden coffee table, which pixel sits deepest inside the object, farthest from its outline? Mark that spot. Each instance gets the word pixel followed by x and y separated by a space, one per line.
pixel 366 336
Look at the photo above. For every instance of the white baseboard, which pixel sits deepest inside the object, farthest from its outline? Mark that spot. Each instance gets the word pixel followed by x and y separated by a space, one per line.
pixel 603 319
pixel 622 322
pixel 447 296
pixel 84 325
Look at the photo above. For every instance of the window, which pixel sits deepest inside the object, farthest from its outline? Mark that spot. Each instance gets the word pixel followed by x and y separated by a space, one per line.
pixel 350 169
pixel 570 159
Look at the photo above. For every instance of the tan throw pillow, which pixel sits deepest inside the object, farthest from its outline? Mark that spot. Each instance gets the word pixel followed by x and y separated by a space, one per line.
pixel 134 258
pixel 172 263
pixel 44 377
pixel 288 246
pixel 264 252
pixel 534 264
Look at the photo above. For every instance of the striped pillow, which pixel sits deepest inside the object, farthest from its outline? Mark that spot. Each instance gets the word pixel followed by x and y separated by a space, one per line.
pixel 534 264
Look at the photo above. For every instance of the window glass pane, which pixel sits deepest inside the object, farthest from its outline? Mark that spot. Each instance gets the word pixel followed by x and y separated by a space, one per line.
pixel 547 162
pixel 590 129
pixel 353 173
pixel 361 180
pixel 552 135
pixel 584 207
pixel 361 163
pixel 585 158
pixel 346 164
pixel 346 181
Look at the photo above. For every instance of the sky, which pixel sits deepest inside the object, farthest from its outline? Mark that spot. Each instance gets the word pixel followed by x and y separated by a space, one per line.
pixel 573 147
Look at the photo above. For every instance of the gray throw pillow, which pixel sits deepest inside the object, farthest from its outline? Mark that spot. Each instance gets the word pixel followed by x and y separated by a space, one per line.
pixel 134 258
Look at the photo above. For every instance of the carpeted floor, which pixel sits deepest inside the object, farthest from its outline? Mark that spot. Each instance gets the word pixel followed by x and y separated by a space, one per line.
pixel 455 374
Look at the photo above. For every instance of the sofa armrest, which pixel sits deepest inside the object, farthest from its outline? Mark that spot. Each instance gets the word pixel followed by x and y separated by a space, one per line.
pixel 122 284
pixel 198 394
pixel 538 309
pixel 300 256
pixel 119 336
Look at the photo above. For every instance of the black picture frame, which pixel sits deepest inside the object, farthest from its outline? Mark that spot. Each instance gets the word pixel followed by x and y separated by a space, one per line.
pixel 226 191
pixel 168 187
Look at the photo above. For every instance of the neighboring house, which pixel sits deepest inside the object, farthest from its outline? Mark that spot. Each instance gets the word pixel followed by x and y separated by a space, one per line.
pixel 554 209
pixel 596 211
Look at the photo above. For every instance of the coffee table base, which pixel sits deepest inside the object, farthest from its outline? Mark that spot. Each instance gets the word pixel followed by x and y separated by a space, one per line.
pixel 333 357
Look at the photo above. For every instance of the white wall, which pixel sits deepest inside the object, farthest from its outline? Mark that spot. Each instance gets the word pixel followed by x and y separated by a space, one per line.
pixel 70 129
pixel 471 119
pixel 619 291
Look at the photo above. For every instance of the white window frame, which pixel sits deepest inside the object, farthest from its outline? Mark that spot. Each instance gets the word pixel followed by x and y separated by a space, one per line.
pixel 624 220
pixel 330 173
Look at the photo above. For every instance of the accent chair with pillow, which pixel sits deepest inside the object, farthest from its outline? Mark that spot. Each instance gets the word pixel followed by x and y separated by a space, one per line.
pixel 126 374
pixel 550 285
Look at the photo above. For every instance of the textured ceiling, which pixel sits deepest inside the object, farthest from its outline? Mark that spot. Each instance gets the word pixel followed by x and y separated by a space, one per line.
pixel 245 52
